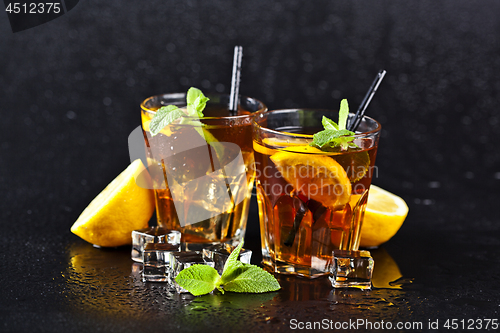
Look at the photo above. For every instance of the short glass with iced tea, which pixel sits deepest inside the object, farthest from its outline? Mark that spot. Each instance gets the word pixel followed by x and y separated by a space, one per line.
pixel 202 169
pixel 311 201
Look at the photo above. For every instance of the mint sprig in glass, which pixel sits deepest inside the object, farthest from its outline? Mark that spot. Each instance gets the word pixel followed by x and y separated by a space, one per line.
pixel 335 135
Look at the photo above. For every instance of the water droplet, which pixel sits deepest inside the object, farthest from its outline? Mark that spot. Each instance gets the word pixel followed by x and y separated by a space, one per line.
pixel 401 281
pixel 198 308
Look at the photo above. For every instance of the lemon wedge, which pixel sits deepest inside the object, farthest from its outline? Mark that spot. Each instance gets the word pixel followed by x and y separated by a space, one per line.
pixel 318 177
pixel 384 215
pixel 119 209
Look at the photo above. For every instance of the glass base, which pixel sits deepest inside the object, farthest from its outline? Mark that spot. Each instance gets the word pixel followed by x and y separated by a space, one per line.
pixel 287 268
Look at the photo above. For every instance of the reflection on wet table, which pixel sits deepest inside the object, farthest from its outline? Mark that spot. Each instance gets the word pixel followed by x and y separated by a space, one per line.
pixel 107 281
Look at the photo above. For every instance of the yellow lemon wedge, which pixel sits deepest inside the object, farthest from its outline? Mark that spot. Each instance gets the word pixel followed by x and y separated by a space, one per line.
pixel 318 177
pixel 119 209
pixel 384 215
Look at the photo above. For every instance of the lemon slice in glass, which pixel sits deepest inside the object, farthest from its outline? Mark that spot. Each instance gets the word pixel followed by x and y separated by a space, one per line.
pixel 318 177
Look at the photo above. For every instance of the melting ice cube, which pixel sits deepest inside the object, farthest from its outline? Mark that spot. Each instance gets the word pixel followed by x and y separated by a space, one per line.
pixel 181 260
pixel 156 260
pixel 206 209
pixel 152 235
pixel 351 269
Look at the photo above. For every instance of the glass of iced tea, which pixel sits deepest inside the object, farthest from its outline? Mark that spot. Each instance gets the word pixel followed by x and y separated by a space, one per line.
pixel 203 175
pixel 311 201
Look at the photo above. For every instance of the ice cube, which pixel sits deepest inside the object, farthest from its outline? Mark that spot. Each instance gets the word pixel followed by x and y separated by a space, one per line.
pixel 205 208
pixel 220 252
pixel 181 260
pixel 204 198
pixel 351 269
pixel 156 261
pixel 152 235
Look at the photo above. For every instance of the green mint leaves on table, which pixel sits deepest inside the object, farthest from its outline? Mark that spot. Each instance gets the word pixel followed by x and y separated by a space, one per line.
pixel 165 115
pixel 335 135
pixel 198 279
pixel 236 277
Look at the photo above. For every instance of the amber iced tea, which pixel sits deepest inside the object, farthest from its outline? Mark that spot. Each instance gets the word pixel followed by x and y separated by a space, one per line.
pixel 310 202
pixel 197 176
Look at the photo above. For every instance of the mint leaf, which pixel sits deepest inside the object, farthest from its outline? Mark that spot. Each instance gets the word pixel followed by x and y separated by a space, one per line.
pixel 236 276
pixel 235 270
pixel 252 279
pixel 164 116
pixel 343 114
pixel 233 258
pixel 232 267
pixel 196 102
pixel 331 138
pixel 335 135
pixel 329 124
pixel 198 279
pixel 192 94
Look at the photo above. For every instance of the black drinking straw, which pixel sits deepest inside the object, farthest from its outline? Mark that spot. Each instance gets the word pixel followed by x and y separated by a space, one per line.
pixel 353 125
pixel 235 80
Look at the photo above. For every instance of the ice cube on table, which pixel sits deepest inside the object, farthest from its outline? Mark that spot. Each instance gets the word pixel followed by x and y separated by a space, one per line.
pixel 152 235
pixel 181 260
pixel 220 252
pixel 351 269
pixel 156 261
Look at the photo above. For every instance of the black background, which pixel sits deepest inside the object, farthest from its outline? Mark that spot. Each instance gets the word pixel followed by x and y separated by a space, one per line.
pixel 70 91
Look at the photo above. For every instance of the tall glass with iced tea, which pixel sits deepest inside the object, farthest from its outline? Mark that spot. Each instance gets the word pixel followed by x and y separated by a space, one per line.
pixel 203 176
pixel 311 202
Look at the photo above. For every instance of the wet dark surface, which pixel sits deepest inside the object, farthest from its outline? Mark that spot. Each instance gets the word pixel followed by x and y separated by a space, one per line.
pixel 69 97
pixel 71 286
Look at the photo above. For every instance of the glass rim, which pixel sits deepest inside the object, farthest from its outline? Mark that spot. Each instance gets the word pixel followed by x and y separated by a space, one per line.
pixel 180 95
pixel 310 136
